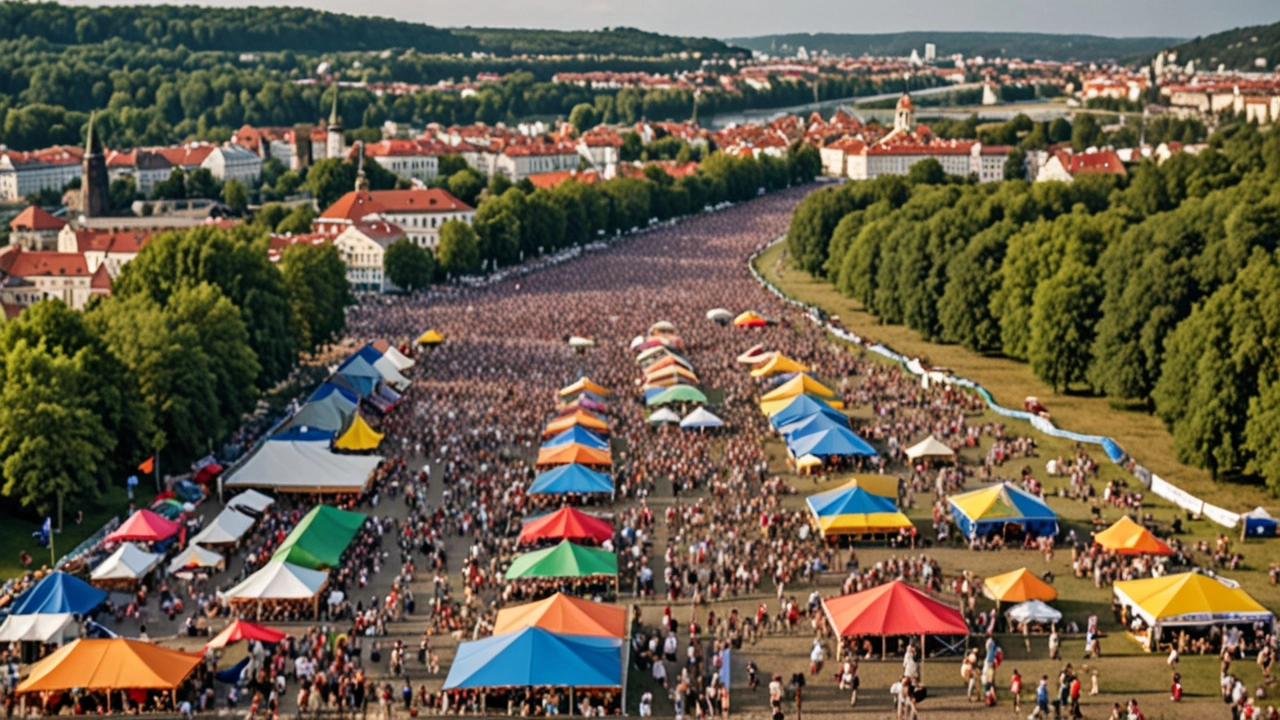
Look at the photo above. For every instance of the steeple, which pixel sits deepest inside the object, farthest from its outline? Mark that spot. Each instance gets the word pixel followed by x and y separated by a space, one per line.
pixel 362 182
pixel 335 120
pixel 94 197
pixel 333 144
pixel 90 147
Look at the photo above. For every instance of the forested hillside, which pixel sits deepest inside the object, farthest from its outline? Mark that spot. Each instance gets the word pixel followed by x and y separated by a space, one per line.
pixel 1162 288
pixel 1238 49
pixel 1084 48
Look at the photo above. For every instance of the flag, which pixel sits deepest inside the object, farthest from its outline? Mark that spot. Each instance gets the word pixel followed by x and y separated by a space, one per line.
pixel 148 465
pixel 45 533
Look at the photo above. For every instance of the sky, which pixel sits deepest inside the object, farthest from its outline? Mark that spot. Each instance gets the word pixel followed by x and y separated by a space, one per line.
pixel 740 18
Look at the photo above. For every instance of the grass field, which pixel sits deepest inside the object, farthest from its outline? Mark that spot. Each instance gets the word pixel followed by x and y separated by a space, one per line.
pixel 15 533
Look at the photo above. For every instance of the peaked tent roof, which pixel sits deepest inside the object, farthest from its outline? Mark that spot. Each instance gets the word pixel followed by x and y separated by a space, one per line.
pixel 930 447
pixel 1018 586
pixel 572 478
pixel 128 562
pixel 116 664
pixel 280 581
pixel 40 627
pixel 677 393
pixel 802 407
pixel 227 527
pixel 579 435
pixel 361 374
pixel 431 337
pixel 399 359
pixel 304 465
pixel 194 557
pixel 1126 537
pixel 894 608
pixel 563 560
pixel 328 388
pixel 566 524
pixel 534 657
pixel 320 537
pixel 1033 611
pixel 668 361
pixel 663 415
pixel 573 453
pixel 582 384
pixel 771 407
pixel 578 417
pixel 358 437
pixel 1189 599
pixel 701 418
pixel 812 424
pixel 146 526
pixel 1002 502
pixel 329 413
pixel 241 630
pixel 251 500
pixel 801 384
pixel 832 441
pixel 390 373
pixel 58 592
pixel 566 615
pixel 848 498
pixel 779 364
pixel 749 319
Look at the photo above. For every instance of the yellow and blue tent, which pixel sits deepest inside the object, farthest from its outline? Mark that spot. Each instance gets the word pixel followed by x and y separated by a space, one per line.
pixel 989 509
pixel 851 510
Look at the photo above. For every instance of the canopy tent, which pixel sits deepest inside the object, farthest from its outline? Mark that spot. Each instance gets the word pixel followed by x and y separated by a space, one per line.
pixel 755 355
pixel 662 326
pixel 195 557
pixel 1126 537
pixel 1259 523
pixel 671 372
pixel 534 657
pixel 251 500
pixel 663 415
pixel 812 424
pixel 563 560
pixel 894 608
pixel 1190 599
pixel 584 383
pixel 578 342
pixel 116 664
pixel 802 407
pixel 363 376
pixel 582 401
pixel 358 437
pixel 146 526
pixel 578 435
pixel 320 537
pixel 749 319
pixel 851 510
pixel 393 354
pixel 227 527
pixel 772 407
pixel 53 628
pixel 58 593
pixel 809 462
pixel 573 453
pixel 579 417
pixel 669 361
pixel 566 524
pixel 1034 611
pixel 431 337
pixel 304 464
pixel 328 388
pixel 839 442
pixel 564 614
pixel 801 384
pixel 777 365
pixel 666 381
pixel 701 418
pixel 988 510
pixel 241 630
pixel 329 414
pixel 128 562
pixel 1018 586
pixel 677 393
pixel 654 353
pixel 885 486
pixel 572 478
pixel 390 373
pixel 280 581
pixel 719 315
pixel 931 448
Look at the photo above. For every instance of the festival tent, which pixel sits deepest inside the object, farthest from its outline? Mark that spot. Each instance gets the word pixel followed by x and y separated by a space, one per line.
pixel 663 415
pixel 390 373
pixel 251 500
pixel 701 418
pixel 577 342
pixel 662 326
pixel 303 463
pixel 579 417
pixel 116 664
pixel 1259 523
pixel 653 354
pixel 1126 537
pixel 195 557
pixel 894 608
pixel 670 372
pixel 579 435
pixel 563 560
pixel 534 657
pixel 320 537
pixel 566 524
pixel 280 581
pixel 128 562
pixel 52 628
pixel 565 615
pixel 330 413
pixel 583 401
pixel 431 337
pixel 1034 611
pixel 1018 586
pixel 363 376
pixel 799 385
pixel 393 354
pixel 931 448
pixel 358 437
pixel 779 364
pixel 58 592
pixel 227 527
pixel 330 388
pixel 839 442
pixel 719 315
pixel 571 479
pixel 662 383
pixel 810 425
pixel 772 407
pixel 749 319
pixel 668 361
pixel 1190 599
pixel 803 407
pixel 851 510
pixel 808 462
pixel 241 630
pixel 584 384
pixel 677 393
pixel 987 510
pixel 886 486
pixel 573 453
pixel 146 526
pixel 755 355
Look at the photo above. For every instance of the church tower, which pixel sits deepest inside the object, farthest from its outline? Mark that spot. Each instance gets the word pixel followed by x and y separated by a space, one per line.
pixel 362 182
pixel 333 141
pixel 94 195
pixel 904 116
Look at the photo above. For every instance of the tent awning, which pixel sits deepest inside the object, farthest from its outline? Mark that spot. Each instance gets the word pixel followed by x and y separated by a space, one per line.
pixel 251 500
pixel 1126 537
pixel 1189 599
pixel 573 453
pixel 574 478
pixel 534 657
pixel 280 581
pixel 304 466
pixel 565 614
pixel 40 627
pixel 930 448
pixel 563 560
pixel 227 527
pixel 241 630
pixel 894 608
pixel 1034 611
pixel 701 418
pixel 431 337
pixel 195 557
pixel 566 524
pixel 117 664
pixel 146 526
pixel 128 562
pixel 1018 586
pixel 320 537
pixel 56 593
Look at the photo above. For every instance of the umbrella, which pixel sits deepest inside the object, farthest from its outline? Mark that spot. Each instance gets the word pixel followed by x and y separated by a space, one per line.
pixel 581 343
pixel 663 415
pixel 678 393
pixel 719 315
pixel 701 418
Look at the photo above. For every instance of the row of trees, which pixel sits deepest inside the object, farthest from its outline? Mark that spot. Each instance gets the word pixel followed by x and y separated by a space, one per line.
pixel 1158 288
pixel 196 327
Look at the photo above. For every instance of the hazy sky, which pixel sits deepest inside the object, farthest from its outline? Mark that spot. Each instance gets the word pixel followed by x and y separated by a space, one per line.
pixel 729 18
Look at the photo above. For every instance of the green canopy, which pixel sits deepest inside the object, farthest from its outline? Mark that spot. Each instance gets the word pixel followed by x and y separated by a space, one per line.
pixel 678 393
pixel 319 539
pixel 563 560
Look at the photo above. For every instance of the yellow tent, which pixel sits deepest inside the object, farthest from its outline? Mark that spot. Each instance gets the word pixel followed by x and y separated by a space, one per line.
pixel 1018 586
pixel 779 364
pixel 115 664
pixel 885 486
pixel 1189 599
pixel 431 337
pixel 359 436
pixel 769 407
pixel 584 384
pixel 1127 537
pixel 798 385
pixel 863 524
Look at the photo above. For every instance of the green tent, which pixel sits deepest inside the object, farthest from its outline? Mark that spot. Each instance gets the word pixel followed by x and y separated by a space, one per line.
pixel 319 539
pixel 678 393
pixel 563 560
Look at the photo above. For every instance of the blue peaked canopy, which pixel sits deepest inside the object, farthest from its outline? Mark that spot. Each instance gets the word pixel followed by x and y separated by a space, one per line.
pixel 366 353
pixel 829 442
pixel 988 510
pixel 848 501
pixel 578 434
pixel 810 425
pixel 803 407
pixel 59 593
pixel 534 656
pixel 572 478
pixel 362 375
pixel 328 388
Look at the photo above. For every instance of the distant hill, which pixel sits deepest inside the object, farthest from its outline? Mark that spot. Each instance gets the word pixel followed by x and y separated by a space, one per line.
pixel 1028 46
pixel 1238 49
pixel 265 29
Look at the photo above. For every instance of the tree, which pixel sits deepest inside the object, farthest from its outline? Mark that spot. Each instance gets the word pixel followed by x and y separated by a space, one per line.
pixel 1015 165
pixel 299 221
pixel 466 185
pixel 459 248
pixel 122 193
pixel 408 266
pixel 926 172
pixel 172 188
pixel 330 179
pixel 235 195
pixel 497 227
pixel 1085 132
pixel 319 292
pixel 583 117
pixel 1261 439
pixel 804 163
pixel 1062 322
pixel 202 184
pixel 632 147
pixel 224 340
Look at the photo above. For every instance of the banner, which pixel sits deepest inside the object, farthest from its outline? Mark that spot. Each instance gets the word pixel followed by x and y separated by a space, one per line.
pixel 1176 495
pixel 1223 517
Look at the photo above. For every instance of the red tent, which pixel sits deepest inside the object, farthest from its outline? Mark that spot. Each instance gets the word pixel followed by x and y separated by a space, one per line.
pixel 893 609
pixel 241 630
pixel 566 524
pixel 146 526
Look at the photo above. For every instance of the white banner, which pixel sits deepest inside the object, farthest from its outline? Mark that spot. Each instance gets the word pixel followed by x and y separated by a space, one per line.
pixel 1176 495
pixel 1221 516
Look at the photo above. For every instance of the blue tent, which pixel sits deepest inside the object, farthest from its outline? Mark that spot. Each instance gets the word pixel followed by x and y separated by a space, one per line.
pixel 307 435
pixel 534 656
pixel 1259 523
pixel 332 413
pixel 572 478
pixel 829 442
pixel 578 434
pixel 362 375
pixel 366 353
pixel 328 388
pixel 59 593
pixel 849 501
pixel 810 425
pixel 987 510
pixel 802 407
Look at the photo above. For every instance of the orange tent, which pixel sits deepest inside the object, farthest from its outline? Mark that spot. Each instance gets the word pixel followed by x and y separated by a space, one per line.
pixel 573 453
pixel 1127 537
pixel 668 361
pixel 579 417
pixel 671 371
pixel 584 384
pixel 566 524
pixel 564 614
pixel 895 608
pixel 115 664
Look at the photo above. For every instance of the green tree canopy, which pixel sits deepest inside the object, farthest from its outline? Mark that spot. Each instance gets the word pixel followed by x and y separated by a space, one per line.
pixel 408 266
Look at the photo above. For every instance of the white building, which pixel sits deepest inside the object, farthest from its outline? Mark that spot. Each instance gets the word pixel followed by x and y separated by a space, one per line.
pixel 520 161
pixel 112 248
pixel 234 162
pixel 363 246
pixel 408 159
pixel 418 212
pixel 27 277
pixel 26 173
pixel 145 167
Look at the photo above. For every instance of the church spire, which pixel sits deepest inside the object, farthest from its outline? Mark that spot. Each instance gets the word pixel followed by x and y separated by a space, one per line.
pixel 335 120
pixel 91 147
pixel 362 182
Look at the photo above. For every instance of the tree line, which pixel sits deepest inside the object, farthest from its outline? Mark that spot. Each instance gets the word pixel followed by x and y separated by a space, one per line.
pixel 1158 289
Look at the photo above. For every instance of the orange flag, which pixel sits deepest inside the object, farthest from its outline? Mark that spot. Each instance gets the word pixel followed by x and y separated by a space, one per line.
pixel 148 465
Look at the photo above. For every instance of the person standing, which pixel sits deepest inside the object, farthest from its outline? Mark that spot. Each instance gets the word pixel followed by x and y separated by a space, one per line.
pixel 1015 689
pixel 1042 700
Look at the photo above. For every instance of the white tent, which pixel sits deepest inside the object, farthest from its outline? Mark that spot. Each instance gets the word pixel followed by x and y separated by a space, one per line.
pixel 304 466
pixel 755 355
pixel 1033 611
pixel 398 358
pixel 390 373
pixel 578 342
pixel 228 527
pixel 38 627
pixel 931 448
pixel 701 418
pixel 194 557
pixel 280 581
pixel 663 415
pixel 719 315
pixel 636 342
pixel 252 500
pixel 128 562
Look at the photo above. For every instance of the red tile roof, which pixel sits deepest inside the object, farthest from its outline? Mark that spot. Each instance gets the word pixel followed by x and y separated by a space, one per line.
pixel 25 263
pixel 101 279
pixel 110 241
pixel 1103 162
pixel 549 180
pixel 33 218
pixel 358 204
pixel 185 155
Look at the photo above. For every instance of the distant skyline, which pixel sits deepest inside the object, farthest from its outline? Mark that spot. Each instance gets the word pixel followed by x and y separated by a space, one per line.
pixel 743 18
